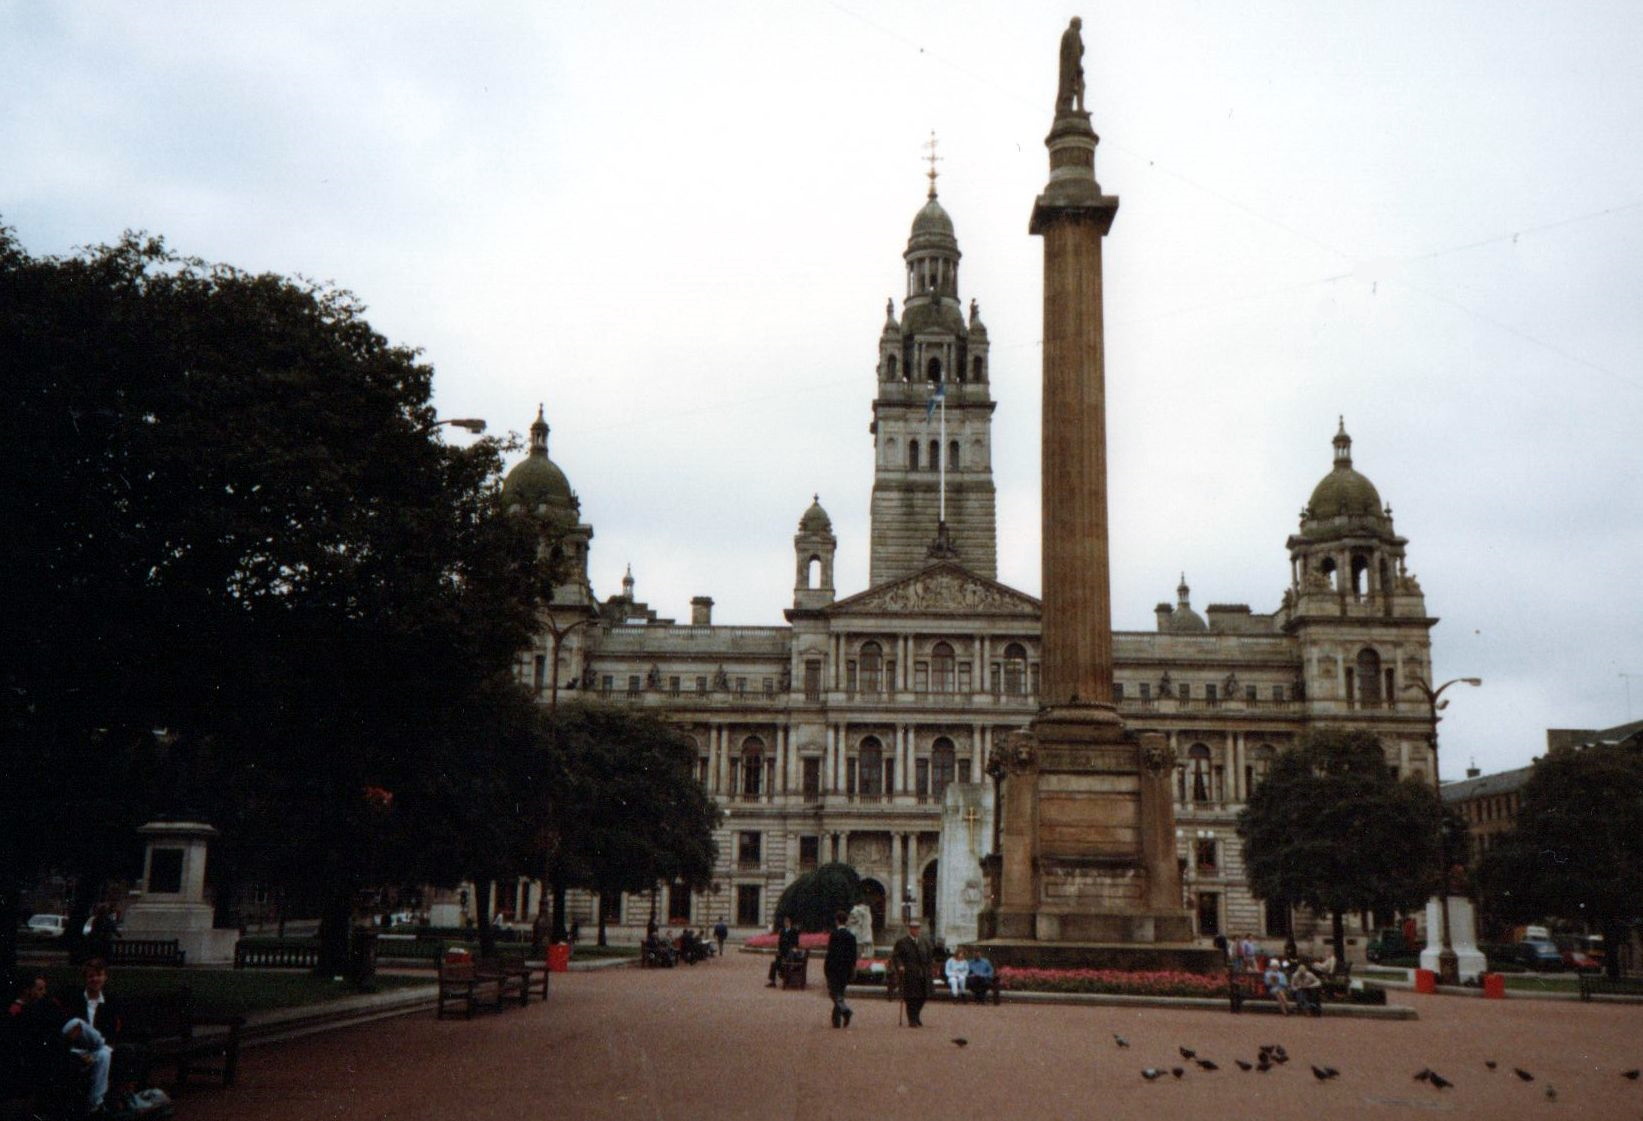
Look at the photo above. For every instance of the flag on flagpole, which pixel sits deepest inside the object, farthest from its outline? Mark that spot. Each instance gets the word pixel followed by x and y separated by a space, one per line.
pixel 936 398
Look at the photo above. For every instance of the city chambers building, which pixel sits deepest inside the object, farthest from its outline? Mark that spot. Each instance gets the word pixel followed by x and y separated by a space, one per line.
pixel 838 735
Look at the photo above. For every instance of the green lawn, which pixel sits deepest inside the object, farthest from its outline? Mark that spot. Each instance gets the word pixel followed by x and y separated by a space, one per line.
pixel 227 991
pixel 1543 984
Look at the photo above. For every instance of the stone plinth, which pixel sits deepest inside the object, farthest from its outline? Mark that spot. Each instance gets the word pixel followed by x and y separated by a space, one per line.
pixel 1463 937
pixel 966 835
pixel 172 902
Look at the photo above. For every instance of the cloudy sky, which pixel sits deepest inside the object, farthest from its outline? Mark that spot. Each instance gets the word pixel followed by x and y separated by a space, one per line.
pixel 677 224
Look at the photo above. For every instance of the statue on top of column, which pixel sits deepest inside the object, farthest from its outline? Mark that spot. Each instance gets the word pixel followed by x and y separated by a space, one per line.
pixel 1071 90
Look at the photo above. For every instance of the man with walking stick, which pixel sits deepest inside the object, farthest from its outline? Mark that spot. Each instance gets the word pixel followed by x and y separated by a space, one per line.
pixel 911 960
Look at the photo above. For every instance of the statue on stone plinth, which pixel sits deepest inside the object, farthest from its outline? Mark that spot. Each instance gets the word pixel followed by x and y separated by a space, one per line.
pixel 1071 89
pixel 861 925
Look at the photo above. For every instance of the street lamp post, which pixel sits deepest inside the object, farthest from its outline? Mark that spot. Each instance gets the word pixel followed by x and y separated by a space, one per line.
pixel 557 635
pixel 1448 961
pixel 471 423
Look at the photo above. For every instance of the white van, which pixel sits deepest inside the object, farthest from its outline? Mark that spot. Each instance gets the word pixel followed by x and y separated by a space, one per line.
pixel 48 926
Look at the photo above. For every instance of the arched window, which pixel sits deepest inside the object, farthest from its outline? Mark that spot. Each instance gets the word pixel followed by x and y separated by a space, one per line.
pixel 1369 677
pixel 752 767
pixel 952 455
pixel 1198 762
pixel 870 767
pixel 1327 567
pixel 943 766
pixel 932 370
pixel 872 667
pixel 941 668
pixel 1360 565
pixel 812 571
pixel 890 366
pixel 1015 669
pixel 977 368
pixel 935 455
pixel 912 455
pixel 1255 771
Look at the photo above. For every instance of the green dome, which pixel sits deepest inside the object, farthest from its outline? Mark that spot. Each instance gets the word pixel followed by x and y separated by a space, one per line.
pixel 1343 494
pixel 537 484
pixel 815 519
pixel 932 229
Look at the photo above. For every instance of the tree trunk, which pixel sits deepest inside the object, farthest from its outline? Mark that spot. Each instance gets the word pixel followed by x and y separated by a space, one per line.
pixel 335 925
pixel 1337 931
pixel 10 916
pixel 561 928
pixel 482 912
pixel 602 941
pixel 1614 933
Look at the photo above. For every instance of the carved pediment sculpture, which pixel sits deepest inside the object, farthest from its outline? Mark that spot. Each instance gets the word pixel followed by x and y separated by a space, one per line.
pixel 942 589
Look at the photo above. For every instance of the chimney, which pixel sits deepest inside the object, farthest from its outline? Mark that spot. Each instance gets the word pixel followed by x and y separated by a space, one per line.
pixel 701 611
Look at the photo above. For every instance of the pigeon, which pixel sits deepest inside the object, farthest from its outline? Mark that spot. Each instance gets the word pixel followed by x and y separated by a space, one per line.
pixel 1424 1074
pixel 1177 1071
pixel 961 1041
pixel 1523 1074
pixel 1490 1063
pixel 1264 1067
pixel 1440 1081
pixel 1332 1072
pixel 1279 1057
pixel 1120 1040
pixel 1151 1073
pixel 1551 1092
pixel 1243 1066
pixel 1188 1054
pixel 1632 1074
pixel 1206 1064
pixel 1320 1073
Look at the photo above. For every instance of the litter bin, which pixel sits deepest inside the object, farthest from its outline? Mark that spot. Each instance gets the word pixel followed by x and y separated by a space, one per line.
pixel 362 957
pixel 1494 986
pixel 1426 981
pixel 559 957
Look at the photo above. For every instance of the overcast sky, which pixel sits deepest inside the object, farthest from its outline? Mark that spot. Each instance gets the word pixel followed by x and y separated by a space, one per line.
pixel 677 224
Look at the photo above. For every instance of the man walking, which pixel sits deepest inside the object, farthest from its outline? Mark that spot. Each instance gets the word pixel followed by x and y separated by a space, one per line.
pixel 911 959
pixel 840 966
pixel 720 933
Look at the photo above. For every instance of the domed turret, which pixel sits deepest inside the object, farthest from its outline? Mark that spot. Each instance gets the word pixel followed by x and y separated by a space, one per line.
pixel 1184 620
pixel 813 549
pixel 815 519
pixel 1343 498
pixel 537 485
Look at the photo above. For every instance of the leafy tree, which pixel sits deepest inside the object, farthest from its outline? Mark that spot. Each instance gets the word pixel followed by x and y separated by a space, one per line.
pixel 624 809
pixel 232 520
pixel 816 895
pixel 1576 851
pixel 1331 829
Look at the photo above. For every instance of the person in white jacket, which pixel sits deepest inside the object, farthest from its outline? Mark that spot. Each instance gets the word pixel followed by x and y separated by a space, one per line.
pixel 958 971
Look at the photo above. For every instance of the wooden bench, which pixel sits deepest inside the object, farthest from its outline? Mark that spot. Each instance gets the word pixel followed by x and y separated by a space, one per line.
pixel 1597 984
pixel 462 983
pixel 939 989
pixel 146 951
pixel 162 1031
pixel 532 975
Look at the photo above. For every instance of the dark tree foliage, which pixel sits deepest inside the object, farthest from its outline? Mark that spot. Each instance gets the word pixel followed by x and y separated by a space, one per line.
pixel 1576 851
pixel 246 579
pixel 816 895
pixel 624 810
pixel 1332 830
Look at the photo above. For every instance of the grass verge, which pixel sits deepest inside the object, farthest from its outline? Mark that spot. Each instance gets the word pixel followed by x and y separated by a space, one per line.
pixel 228 992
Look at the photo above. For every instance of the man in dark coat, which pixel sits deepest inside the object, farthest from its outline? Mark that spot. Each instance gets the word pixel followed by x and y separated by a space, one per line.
pixel 840 966
pixel 787 947
pixel 911 959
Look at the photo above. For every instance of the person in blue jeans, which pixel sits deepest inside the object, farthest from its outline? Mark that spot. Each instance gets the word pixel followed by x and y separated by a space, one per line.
pixel 982 980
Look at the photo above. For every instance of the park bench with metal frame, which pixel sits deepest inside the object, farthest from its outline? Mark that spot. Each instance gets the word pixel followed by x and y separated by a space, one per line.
pixel 146 951
pixel 162 1030
pixel 461 983
pixel 939 989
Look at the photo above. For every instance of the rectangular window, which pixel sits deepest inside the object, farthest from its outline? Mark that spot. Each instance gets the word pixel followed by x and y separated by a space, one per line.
pixel 1205 855
pixel 741 686
pixel 1034 676
pixel 748 912
pixel 921 778
pixel 964 770
pixel 610 904
pixel 1249 693
pixel 997 680
pixel 673 686
pixel 809 852
pixel 850 677
pixel 1184 691
pixel 891 684
pixel 539 672
pixel 1277 692
pixel 964 681
pixel 748 848
pixel 1117 690
pixel 1146 690
pixel 889 776
pixel 1209 693
pixel 1209 913
pixel 678 904
pixel 921 677
pixel 607 683
pixel 633 685
pixel 812 679
pixel 850 777
pixel 812 778
pixel 769 686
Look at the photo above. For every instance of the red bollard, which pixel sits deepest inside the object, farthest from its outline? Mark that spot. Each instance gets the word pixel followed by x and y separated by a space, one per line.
pixel 559 957
pixel 1494 986
pixel 1426 981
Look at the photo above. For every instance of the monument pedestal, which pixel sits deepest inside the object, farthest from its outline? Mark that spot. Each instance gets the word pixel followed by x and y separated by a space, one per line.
pixel 172 904
pixel 1463 937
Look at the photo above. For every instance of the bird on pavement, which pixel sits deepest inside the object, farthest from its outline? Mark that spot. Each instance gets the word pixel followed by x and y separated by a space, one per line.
pixel 1490 1063
pixel 1177 1071
pixel 1120 1040
pixel 1440 1081
pixel 961 1041
pixel 1523 1074
pixel 1150 1073
pixel 1632 1074
pixel 1332 1072
pixel 1551 1092
pixel 1320 1073
pixel 1243 1066
pixel 1424 1074
pixel 1206 1064
pixel 1187 1054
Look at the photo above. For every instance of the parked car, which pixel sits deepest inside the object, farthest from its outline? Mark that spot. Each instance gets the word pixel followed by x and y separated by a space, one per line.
pixel 1541 956
pixel 47 926
pixel 1573 948
pixel 1387 942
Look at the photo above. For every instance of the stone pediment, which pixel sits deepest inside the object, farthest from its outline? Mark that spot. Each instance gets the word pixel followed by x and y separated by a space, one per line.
pixel 943 588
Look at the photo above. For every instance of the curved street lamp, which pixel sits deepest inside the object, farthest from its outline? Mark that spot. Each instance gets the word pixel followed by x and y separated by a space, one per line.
pixel 473 424
pixel 1448 961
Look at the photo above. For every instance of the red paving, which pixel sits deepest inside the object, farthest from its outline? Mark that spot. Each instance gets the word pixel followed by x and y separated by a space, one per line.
pixel 712 1042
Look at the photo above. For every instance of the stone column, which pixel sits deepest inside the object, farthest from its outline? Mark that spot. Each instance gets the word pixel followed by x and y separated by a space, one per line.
pixel 896 881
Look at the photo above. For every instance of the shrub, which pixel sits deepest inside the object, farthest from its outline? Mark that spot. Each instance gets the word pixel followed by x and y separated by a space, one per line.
pixel 813 897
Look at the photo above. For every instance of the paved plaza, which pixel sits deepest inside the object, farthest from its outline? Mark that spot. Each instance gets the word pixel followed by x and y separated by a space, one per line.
pixel 712 1042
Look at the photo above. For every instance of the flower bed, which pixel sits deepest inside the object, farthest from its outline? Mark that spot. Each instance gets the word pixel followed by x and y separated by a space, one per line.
pixel 767 941
pixel 1159 983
